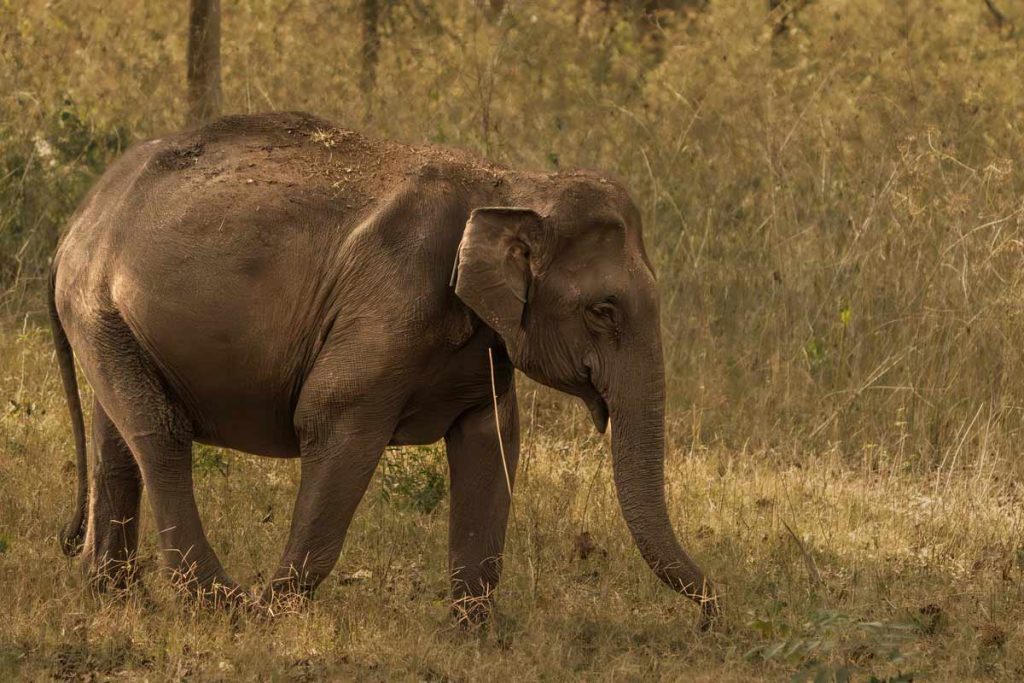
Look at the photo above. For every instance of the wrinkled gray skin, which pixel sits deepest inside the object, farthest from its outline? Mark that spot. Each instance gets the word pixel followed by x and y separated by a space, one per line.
pixel 276 285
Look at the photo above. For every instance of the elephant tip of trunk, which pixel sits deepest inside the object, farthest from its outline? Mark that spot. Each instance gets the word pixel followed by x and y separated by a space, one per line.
pixel 710 611
pixel 703 593
pixel 71 537
pixel 707 622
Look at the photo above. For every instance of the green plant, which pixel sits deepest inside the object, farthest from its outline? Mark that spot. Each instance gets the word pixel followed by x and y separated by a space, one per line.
pixel 208 460
pixel 414 477
pixel 833 646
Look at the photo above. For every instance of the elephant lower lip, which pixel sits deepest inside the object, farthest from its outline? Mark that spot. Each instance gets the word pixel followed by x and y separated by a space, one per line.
pixel 598 412
pixel 595 403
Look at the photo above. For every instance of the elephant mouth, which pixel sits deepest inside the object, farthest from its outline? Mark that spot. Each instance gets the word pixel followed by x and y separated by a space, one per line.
pixel 595 404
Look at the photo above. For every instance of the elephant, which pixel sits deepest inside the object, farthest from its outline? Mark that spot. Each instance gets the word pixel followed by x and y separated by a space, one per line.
pixel 278 285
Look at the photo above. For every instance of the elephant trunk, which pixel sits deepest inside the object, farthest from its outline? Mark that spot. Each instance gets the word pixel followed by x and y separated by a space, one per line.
pixel 637 403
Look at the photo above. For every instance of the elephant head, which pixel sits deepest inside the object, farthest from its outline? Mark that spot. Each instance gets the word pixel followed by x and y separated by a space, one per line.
pixel 568 286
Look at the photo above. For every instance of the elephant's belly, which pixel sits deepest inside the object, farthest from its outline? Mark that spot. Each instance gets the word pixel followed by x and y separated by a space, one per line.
pixel 463 383
pixel 230 362
pixel 429 416
pixel 233 405
pixel 259 433
pixel 421 425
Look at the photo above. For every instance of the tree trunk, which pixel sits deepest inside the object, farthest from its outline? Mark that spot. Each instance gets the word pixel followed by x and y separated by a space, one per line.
pixel 779 16
pixel 1002 21
pixel 371 43
pixel 491 9
pixel 782 12
pixel 204 97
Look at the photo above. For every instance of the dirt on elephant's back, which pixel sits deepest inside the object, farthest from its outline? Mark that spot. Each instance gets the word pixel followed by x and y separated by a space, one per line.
pixel 313 156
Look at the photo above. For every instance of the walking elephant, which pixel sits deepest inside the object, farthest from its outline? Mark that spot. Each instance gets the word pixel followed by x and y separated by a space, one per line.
pixel 280 286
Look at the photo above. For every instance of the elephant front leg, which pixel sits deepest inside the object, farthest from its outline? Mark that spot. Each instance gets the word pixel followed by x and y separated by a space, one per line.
pixel 337 463
pixel 482 466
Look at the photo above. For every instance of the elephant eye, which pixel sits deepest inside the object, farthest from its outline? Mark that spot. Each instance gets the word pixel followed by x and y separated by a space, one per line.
pixel 603 315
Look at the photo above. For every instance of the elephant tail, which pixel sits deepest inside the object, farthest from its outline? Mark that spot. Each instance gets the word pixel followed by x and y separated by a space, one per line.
pixel 71 535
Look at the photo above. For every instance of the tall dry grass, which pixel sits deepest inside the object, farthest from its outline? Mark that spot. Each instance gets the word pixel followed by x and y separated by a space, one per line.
pixel 835 213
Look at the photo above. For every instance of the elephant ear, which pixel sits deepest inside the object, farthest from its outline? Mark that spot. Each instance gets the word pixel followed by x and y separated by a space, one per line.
pixel 493 269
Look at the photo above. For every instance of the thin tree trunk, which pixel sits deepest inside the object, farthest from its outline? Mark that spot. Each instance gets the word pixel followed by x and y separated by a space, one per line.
pixel 371 43
pixel 204 96
pixel 1001 19
pixel 492 9
pixel 999 16
pixel 780 17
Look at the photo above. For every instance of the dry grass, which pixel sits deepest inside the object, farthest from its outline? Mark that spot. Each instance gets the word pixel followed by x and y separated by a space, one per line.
pixel 834 563
pixel 837 217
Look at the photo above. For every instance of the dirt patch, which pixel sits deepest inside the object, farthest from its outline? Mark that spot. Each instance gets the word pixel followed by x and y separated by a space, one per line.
pixel 179 158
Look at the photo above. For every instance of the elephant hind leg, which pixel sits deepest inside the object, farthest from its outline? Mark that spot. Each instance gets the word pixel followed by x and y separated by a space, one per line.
pixel 158 432
pixel 112 532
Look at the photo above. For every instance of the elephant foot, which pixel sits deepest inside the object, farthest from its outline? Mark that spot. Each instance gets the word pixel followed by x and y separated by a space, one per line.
pixel 110 572
pixel 218 595
pixel 286 594
pixel 211 589
pixel 123 586
pixel 472 611
pixel 113 576
pixel 134 592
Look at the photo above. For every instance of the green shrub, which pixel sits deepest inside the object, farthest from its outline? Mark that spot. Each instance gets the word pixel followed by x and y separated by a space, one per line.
pixel 209 460
pixel 414 478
